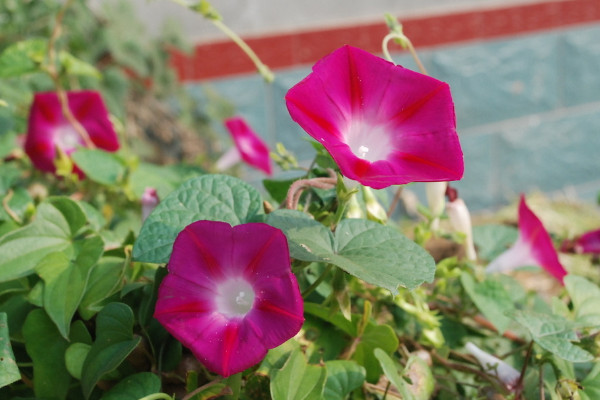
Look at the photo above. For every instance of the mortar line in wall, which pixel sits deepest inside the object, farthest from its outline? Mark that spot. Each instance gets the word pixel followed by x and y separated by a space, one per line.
pixel 557 113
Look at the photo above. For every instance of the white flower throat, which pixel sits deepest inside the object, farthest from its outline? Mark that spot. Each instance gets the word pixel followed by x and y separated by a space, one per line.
pixel 235 297
pixel 369 141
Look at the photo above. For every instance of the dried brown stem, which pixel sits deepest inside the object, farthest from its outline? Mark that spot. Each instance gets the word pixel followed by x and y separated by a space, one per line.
pixel 7 208
pixel 296 189
pixel 52 71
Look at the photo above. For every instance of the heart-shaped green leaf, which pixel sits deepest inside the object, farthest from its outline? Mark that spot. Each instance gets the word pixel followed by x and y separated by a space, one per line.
pixel 57 222
pixel 209 197
pixel 114 342
pixel 298 380
pixel 377 254
pixel 46 347
pixel 343 377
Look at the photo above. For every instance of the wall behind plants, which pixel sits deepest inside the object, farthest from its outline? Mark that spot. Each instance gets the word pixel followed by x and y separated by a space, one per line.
pixel 526 100
pixel 261 17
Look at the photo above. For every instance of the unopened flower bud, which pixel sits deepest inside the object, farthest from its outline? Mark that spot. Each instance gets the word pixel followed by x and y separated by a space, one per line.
pixel 504 372
pixel 436 200
pixel 460 219
pixel 353 208
pixel 375 211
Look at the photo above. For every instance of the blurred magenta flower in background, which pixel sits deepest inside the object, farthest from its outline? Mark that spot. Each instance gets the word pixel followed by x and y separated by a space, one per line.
pixel 48 129
pixel 230 295
pixel 248 147
pixel 383 124
pixel 588 243
pixel 533 247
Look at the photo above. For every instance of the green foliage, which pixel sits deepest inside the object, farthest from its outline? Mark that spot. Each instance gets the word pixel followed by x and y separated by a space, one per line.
pixel 56 228
pixel 100 166
pixel 23 58
pixel 9 372
pixel 46 347
pixel 491 299
pixel 342 378
pixel 79 280
pixel 374 253
pixel 297 380
pixel 134 387
pixel 114 341
pixel 209 197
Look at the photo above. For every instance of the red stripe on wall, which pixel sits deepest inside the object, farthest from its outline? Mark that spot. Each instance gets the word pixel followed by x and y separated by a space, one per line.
pixel 224 58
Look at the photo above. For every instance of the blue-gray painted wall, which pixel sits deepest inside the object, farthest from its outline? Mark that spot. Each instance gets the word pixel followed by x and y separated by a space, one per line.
pixel 528 112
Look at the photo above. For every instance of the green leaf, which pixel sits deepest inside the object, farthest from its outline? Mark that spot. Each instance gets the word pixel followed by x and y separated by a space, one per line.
pixel 374 337
pixel 491 240
pixel 65 281
pixel 75 357
pixel 134 387
pixel 308 240
pixel 163 178
pixel 421 378
pixel 391 372
pixel 342 378
pixel 9 372
pixel 297 380
pixel 591 384
pixel 75 66
pixel 377 254
pixel 586 298
pixel 381 255
pixel 23 57
pixel 276 357
pixel 278 189
pixel 100 166
pixel 54 229
pixel 105 280
pixel 554 333
pixel 47 348
pixel 114 342
pixel 209 197
pixel 491 299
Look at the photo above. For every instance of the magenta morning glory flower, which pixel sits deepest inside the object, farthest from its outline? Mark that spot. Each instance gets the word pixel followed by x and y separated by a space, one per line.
pixel 230 295
pixel 48 128
pixel 382 124
pixel 588 243
pixel 533 247
pixel 248 147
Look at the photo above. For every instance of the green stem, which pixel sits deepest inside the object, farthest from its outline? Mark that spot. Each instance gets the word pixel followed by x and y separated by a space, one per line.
pixel 405 41
pixel 316 283
pixel 200 389
pixel 215 19
pixel 260 66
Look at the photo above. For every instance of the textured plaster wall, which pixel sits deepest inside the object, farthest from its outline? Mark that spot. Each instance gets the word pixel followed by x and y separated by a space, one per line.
pixel 256 17
pixel 528 111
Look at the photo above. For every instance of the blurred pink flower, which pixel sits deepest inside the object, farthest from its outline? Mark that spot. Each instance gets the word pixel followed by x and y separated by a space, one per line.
pixel 230 295
pixel 149 201
pixel 48 129
pixel 382 124
pixel 588 243
pixel 248 147
pixel 533 247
